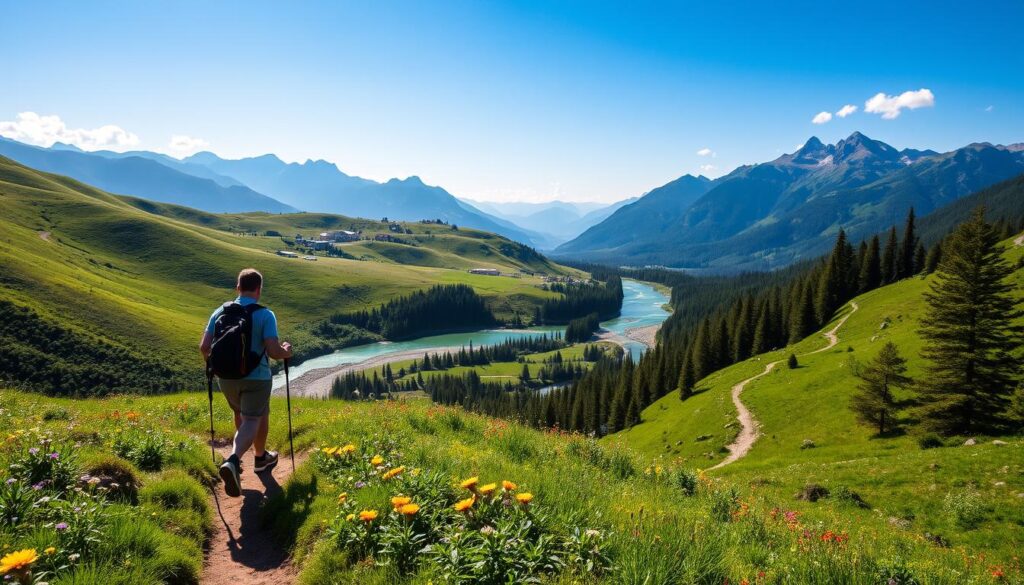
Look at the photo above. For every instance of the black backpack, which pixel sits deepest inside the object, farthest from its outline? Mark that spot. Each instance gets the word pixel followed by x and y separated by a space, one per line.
pixel 231 356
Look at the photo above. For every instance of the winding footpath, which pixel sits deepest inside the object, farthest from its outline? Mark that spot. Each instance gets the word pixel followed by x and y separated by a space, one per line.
pixel 748 425
pixel 242 549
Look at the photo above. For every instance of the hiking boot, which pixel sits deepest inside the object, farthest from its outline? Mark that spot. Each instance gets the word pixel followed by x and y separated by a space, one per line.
pixel 268 461
pixel 230 474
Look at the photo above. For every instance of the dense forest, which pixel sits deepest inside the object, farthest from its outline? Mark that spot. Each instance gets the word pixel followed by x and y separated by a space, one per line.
pixel 44 357
pixel 580 330
pixel 580 300
pixel 439 308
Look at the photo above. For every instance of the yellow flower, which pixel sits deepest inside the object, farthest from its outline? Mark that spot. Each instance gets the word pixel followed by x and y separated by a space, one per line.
pixel 342 497
pixel 377 460
pixel 350 517
pixel 368 515
pixel 50 550
pixel 463 505
pixel 409 509
pixel 470 483
pixel 348 449
pixel 488 489
pixel 524 498
pixel 329 450
pixel 389 474
pixel 18 560
pixel 399 501
pixel 508 485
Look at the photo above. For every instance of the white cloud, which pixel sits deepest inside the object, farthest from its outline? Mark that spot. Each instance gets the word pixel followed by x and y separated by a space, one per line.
pixel 990 108
pixel 707 168
pixel 706 152
pixel 181 145
pixel 846 110
pixel 822 118
pixel 890 106
pixel 32 128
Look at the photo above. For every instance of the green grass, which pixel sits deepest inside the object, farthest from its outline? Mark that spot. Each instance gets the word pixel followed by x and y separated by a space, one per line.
pixel 650 529
pixel 905 486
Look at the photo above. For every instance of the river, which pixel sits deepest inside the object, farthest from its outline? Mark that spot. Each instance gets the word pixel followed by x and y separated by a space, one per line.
pixel 642 306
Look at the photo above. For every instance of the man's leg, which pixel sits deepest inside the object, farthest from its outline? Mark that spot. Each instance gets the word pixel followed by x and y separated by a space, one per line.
pixel 238 420
pixel 246 435
pixel 259 446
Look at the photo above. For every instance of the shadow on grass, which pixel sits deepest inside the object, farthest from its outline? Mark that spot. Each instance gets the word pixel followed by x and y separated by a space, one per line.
pixel 287 510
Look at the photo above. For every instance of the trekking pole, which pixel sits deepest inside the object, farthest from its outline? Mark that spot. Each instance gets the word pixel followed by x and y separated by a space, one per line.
pixel 288 399
pixel 209 394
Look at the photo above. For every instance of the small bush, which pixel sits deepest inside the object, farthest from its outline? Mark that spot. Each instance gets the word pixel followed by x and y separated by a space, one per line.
pixel 57 413
pixel 724 504
pixel 792 362
pixel 147 449
pixel 964 508
pixel 686 480
pixel 116 475
pixel 930 441
pixel 620 465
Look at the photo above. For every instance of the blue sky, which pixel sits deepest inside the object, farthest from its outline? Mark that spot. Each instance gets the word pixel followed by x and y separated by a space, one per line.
pixel 517 100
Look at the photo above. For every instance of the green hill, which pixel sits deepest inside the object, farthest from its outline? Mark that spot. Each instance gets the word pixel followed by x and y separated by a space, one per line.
pixel 807 433
pixel 138 279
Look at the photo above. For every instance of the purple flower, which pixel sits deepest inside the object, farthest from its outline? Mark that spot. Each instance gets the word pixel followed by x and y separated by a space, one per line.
pixel 360 484
pixel 38 486
pixel 61 526
pixel 11 480
pixel 54 455
pixel 33 450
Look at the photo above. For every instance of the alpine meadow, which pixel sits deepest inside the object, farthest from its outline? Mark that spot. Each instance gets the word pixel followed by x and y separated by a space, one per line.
pixel 510 293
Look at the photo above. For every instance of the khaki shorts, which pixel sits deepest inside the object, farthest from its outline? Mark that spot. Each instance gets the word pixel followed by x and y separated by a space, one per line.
pixel 249 397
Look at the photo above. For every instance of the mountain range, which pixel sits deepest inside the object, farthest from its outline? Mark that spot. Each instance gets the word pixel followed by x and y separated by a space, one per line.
pixel 560 220
pixel 769 215
pixel 265 183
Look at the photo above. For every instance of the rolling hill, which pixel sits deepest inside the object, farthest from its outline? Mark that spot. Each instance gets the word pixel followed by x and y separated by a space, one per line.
pixel 137 279
pixel 772 214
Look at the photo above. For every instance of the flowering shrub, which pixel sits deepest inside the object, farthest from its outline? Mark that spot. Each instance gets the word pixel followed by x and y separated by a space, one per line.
pixel 469 532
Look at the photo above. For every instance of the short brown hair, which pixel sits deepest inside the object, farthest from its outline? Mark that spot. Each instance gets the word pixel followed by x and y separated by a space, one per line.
pixel 249 280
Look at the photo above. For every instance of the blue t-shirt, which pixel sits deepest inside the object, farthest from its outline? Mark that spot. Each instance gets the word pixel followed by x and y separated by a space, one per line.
pixel 264 326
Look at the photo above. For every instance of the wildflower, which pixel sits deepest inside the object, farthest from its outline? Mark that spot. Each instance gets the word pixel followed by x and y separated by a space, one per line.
pixel 18 560
pixel 350 517
pixel 508 486
pixel 50 550
pixel 74 557
pixel 377 460
pixel 33 450
pixel 368 515
pixel 342 497
pixel 470 483
pixel 524 498
pixel 392 473
pixel 347 449
pixel 463 505
pixel 399 501
pixel 997 573
pixel 329 451
pixel 61 526
pixel 409 510
pixel 360 484
pixel 488 489
pixel 487 530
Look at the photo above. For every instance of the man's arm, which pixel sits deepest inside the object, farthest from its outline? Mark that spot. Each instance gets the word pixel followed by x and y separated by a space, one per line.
pixel 205 345
pixel 277 350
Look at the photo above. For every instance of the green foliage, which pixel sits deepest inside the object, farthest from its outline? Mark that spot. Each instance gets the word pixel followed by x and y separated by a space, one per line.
pixel 581 329
pixel 439 308
pixel 145 448
pixel 874 403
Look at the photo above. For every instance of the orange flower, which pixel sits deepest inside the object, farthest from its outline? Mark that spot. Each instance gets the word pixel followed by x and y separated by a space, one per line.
pixel 342 497
pixel 399 501
pixel 368 515
pixel 377 460
pixel 524 498
pixel 470 483
pixel 409 510
pixel 508 485
pixel 18 561
pixel 488 489
pixel 390 474
pixel 463 505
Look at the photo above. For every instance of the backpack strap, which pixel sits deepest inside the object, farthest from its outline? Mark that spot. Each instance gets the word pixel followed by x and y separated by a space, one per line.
pixel 249 310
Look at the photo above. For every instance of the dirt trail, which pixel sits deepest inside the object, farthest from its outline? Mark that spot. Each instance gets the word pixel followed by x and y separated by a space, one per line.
pixel 241 549
pixel 748 424
pixel 1019 241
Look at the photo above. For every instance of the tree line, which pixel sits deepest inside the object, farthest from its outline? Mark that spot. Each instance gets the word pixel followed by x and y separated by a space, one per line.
pixel 439 308
pixel 579 300
pixel 580 330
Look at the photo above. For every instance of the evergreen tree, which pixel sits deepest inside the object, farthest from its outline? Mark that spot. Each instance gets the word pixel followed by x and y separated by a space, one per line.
pixel 871 269
pixel 686 380
pixel 792 362
pixel 969 333
pixel 905 261
pixel 836 282
pixel 931 263
pixel 700 358
pixel 802 314
pixel 873 403
pixel 889 259
pixel 762 331
pixel 920 257
pixel 524 375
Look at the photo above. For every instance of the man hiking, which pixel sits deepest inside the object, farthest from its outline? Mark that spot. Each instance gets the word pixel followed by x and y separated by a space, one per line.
pixel 239 338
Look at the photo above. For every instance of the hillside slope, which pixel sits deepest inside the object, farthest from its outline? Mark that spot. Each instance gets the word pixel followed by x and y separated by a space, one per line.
pixel 807 434
pixel 140 278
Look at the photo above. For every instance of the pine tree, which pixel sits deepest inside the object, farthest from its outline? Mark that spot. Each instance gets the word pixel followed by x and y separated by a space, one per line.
pixel 889 259
pixel 762 331
pixel 524 375
pixel 700 358
pixel 969 333
pixel 873 403
pixel 905 262
pixel 792 362
pixel 802 321
pixel 835 284
pixel 931 263
pixel 871 270
pixel 920 257
pixel 686 380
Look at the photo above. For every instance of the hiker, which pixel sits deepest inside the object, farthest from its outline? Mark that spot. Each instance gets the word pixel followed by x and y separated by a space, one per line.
pixel 239 338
